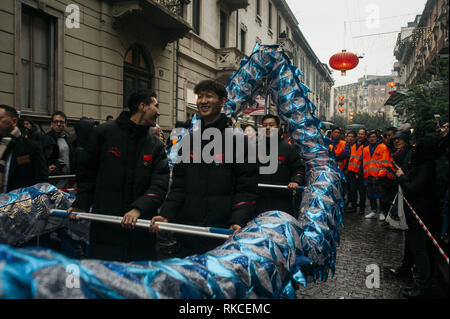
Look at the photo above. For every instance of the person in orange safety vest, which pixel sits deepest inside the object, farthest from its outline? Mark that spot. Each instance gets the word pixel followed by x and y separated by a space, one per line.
pixel 337 146
pixel 355 174
pixel 377 164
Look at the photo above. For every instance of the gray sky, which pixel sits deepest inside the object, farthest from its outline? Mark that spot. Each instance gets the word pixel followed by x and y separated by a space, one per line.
pixel 322 24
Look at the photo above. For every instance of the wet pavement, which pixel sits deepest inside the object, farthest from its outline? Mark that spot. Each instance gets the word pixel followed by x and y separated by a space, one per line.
pixel 367 250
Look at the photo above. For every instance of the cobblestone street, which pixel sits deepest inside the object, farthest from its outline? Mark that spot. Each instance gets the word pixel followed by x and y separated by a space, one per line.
pixel 365 242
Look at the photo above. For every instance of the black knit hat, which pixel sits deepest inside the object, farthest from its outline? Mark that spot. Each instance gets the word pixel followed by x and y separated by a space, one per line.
pixel 404 135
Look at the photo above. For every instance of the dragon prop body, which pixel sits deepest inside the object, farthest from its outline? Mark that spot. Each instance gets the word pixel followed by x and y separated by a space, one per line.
pixel 262 261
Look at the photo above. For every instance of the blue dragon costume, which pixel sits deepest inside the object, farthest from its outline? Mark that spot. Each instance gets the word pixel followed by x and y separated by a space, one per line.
pixel 264 260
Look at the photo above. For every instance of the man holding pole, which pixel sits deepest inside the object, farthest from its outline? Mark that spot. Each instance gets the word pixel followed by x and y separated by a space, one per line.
pixel 124 172
pixel 290 173
pixel 217 194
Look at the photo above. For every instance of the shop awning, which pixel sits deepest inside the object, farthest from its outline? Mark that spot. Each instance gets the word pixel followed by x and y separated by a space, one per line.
pixel 395 98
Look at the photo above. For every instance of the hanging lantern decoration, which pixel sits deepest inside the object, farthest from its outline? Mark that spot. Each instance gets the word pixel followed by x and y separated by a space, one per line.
pixel 341 109
pixel 391 84
pixel 344 61
pixel 391 92
pixel 341 97
pixel 341 103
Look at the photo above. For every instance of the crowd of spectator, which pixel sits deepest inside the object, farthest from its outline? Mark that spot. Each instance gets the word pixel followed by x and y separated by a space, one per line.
pixel 122 169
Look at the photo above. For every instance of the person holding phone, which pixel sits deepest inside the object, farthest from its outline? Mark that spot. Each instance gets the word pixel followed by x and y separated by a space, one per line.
pixel 419 189
pixel 443 147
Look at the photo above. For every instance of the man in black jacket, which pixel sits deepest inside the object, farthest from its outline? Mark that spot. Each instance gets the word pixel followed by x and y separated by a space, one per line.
pixel 22 162
pixel 64 141
pixel 420 190
pixel 123 170
pixel 290 173
pixel 218 193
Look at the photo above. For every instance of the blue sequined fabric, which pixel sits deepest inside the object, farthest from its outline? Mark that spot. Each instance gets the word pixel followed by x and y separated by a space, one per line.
pixel 25 212
pixel 262 261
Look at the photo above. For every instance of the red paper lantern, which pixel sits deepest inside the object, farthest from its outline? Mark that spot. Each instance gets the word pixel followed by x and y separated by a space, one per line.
pixel 390 92
pixel 341 97
pixel 341 103
pixel 344 61
pixel 341 109
pixel 391 84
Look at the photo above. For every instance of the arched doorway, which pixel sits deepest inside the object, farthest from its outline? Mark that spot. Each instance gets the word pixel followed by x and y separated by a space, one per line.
pixel 138 71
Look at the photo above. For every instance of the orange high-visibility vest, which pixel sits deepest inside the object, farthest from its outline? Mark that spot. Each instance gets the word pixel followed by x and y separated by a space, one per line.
pixel 354 162
pixel 390 166
pixel 338 151
pixel 377 164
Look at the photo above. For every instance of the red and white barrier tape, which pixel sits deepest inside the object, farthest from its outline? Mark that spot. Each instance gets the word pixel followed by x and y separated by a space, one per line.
pixel 68 189
pixel 426 230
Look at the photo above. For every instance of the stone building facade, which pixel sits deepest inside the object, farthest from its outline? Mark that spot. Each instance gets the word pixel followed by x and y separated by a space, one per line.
pixel 227 32
pixel 420 43
pixel 368 95
pixel 84 57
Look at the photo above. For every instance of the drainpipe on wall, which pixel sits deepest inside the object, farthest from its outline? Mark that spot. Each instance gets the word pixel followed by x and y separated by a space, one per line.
pixel 177 49
pixel 237 29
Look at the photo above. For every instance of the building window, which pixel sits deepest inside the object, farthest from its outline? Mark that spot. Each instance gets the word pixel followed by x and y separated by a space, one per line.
pixel 138 72
pixel 279 25
pixel 287 32
pixel 196 16
pixel 270 15
pixel 37 62
pixel 223 29
pixel 258 8
pixel 243 33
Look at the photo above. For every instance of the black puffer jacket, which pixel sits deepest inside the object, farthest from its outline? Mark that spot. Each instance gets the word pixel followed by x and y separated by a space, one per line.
pixel 290 169
pixel 27 166
pixel 419 186
pixel 124 167
pixel 214 194
pixel 83 129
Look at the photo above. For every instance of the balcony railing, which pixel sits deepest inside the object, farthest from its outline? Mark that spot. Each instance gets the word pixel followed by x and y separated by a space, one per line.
pixel 235 4
pixel 164 15
pixel 288 46
pixel 229 59
pixel 175 6
pixel 227 62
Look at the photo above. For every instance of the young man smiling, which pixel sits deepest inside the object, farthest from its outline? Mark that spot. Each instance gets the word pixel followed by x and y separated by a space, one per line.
pixel 217 194
pixel 124 172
